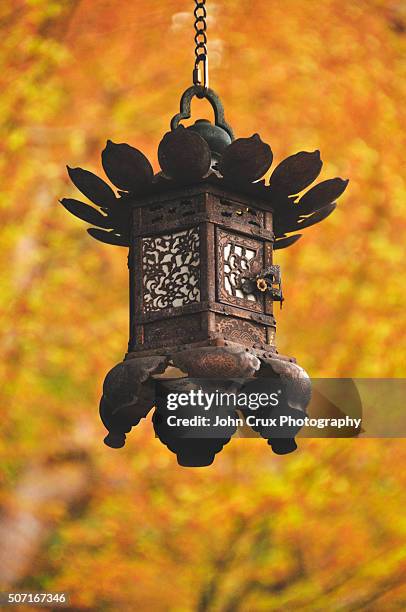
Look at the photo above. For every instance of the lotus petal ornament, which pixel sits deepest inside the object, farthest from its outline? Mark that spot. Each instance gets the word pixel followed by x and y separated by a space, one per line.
pixel 87 213
pixel 126 167
pixel 321 195
pixel 245 160
pixel 296 172
pixel 184 155
pixel 285 241
pixel 93 187
pixel 111 237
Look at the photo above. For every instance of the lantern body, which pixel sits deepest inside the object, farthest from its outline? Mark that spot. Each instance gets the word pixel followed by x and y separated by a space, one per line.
pixel 190 248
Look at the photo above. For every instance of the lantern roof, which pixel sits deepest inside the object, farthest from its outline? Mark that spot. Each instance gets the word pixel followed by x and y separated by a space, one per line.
pixel 204 152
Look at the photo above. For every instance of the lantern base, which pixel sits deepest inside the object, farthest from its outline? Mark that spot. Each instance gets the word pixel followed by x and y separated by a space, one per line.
pixel 138 384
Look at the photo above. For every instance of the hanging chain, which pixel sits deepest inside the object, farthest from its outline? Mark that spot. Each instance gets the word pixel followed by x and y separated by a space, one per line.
pixel 200 14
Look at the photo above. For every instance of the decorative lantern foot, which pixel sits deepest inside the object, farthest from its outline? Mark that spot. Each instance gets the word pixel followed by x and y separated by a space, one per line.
pixel 128 396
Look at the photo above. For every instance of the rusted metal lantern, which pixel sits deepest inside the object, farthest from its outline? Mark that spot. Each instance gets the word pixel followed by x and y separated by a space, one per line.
pixel 201 235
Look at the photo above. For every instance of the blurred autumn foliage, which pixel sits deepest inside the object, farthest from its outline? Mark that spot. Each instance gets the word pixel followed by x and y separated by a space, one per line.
pixel 322 529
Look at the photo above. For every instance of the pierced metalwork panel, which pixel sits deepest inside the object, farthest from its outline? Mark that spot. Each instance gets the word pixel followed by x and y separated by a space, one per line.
pixel 238 330
pixel 172 210
pixel 176 330
pixel 240 213
pixel 238 255
pixel 171 269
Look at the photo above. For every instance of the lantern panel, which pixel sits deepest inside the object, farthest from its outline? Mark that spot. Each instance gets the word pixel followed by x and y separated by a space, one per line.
pixel 182 329
pixel 238 256
pixel 239 213
pixel 240 331
pixel 171 270
pixel 170 213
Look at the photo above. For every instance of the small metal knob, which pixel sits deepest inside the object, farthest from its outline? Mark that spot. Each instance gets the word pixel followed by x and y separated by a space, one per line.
pixel 262 285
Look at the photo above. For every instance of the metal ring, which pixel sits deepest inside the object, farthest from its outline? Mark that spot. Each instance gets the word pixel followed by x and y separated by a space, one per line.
pixel 198 51
pixel 203 34
pixel 201 47
pixel 198 21
pixel 212 97
pixel 200 7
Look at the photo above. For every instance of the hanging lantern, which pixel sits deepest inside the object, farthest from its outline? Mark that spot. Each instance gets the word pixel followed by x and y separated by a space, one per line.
pixel 201 235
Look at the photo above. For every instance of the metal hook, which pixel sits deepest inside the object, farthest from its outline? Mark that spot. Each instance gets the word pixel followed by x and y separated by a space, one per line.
pixel 197 72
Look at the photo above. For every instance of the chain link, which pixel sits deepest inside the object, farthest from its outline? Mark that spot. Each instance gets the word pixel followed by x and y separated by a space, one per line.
pixel 200 25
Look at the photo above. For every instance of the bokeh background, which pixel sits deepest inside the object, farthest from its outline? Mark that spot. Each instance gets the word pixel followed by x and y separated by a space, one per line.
pixel 322 529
